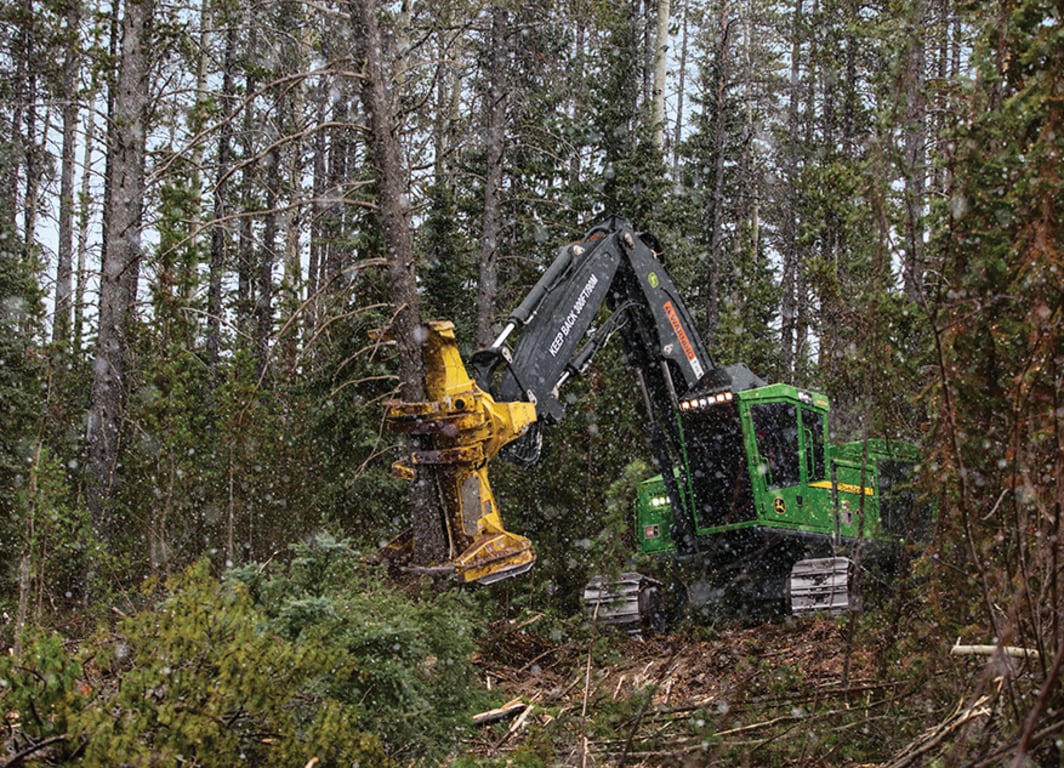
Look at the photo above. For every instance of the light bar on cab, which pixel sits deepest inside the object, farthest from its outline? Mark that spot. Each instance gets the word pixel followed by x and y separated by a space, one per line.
pixel 705 401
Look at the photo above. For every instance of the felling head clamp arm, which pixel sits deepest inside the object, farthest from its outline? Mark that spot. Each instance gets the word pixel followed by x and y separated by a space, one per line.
pixel 467 429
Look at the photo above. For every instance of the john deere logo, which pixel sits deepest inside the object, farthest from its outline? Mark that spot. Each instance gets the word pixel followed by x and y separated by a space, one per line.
pixel 779 505
pixel 652 278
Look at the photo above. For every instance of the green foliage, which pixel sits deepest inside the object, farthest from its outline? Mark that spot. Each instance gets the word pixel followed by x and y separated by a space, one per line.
pixel 322 662
pixel 748 308
pixel 21 364
pixel 450 263
pixel 612 548
pixel 345 480
pixel 562 504
pixel 201 677
pixel 55 542
pixel 870 331
pixel 413 680
pixel 40 685
pixel 1001 349
pixel 169 456
pixel 22 373
pixel 722 180
pixel 633 182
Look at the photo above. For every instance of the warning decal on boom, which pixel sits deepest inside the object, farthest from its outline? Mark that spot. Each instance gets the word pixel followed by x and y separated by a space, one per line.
pixel 685 343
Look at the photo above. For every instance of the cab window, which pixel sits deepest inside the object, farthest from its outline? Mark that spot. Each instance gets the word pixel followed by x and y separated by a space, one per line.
pixel 776 427
pixel 815 458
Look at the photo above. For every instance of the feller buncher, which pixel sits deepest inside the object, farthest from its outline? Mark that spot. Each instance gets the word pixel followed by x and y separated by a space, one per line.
pixel 753 507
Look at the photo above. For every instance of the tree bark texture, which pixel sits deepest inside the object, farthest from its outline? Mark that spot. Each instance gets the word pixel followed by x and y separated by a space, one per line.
pixel 219 241
pixel 267 256
pixel 65 245
pixel 121 259
pixel 717 204
pixel 491 231
pixel 661 47
pixel 430 541
pixel 915 149
pixel 249 178
pixel 789 308
pixel 681 84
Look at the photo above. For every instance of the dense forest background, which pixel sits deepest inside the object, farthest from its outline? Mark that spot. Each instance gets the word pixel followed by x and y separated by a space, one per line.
pixel 207 208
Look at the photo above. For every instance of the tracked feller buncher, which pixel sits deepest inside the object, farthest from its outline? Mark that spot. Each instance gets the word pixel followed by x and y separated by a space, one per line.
pixel 754 512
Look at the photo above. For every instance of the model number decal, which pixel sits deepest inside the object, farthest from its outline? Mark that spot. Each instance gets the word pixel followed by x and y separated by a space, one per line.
pixel 574 314
pixel 844 487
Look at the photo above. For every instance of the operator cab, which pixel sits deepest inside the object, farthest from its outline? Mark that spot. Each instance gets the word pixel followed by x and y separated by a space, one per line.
pixel 754 456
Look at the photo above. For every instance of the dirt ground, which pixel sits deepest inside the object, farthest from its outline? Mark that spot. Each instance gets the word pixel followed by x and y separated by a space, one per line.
pixel 792 693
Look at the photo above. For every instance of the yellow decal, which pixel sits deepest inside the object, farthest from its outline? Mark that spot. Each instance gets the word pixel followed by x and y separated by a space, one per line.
pixel 844 487
pixel 779 505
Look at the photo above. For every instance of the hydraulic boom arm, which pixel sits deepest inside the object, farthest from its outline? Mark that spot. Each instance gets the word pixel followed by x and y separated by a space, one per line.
pixel 612 266
pixel 513 395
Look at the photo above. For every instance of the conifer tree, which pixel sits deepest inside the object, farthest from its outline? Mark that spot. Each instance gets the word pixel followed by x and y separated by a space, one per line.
pixel 998 324
pixel 495 139
pixel 22 372
pixel 385 151
pixel 121 262
pixel 20 367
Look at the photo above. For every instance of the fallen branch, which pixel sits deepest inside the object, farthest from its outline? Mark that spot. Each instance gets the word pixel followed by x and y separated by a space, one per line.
pixel 507 710
pixel 583 708
pixel 917 752
pixel 993 650
pixel 19 757
pixel 515 726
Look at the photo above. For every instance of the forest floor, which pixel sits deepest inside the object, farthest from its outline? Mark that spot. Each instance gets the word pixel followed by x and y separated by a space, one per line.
pixel 797 693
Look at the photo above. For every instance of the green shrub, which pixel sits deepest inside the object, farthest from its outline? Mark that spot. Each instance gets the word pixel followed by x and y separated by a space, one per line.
pixel 412 675
pixel 200 679
pixel 40 693
pixel 203 678
pixel 323 664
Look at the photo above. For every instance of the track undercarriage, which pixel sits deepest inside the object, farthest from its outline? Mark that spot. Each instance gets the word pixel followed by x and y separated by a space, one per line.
pixel 786 575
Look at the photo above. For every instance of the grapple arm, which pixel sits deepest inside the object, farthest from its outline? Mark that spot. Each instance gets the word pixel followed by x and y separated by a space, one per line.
pixel 467 428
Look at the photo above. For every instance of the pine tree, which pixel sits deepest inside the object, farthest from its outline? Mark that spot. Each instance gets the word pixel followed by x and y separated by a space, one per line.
pixel 21 366
pixel 390 181
pixel 998 323
pixel 22 378
pixel 121 264
pixel 730 285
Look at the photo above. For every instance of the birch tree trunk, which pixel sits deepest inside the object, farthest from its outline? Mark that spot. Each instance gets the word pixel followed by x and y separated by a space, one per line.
pixel 430 541
pixel 221 190
pixel 65 247
pixel 661 48
pixel 121 262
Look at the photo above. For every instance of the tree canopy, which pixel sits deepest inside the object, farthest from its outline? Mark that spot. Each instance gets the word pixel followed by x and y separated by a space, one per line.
pixel 209 211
